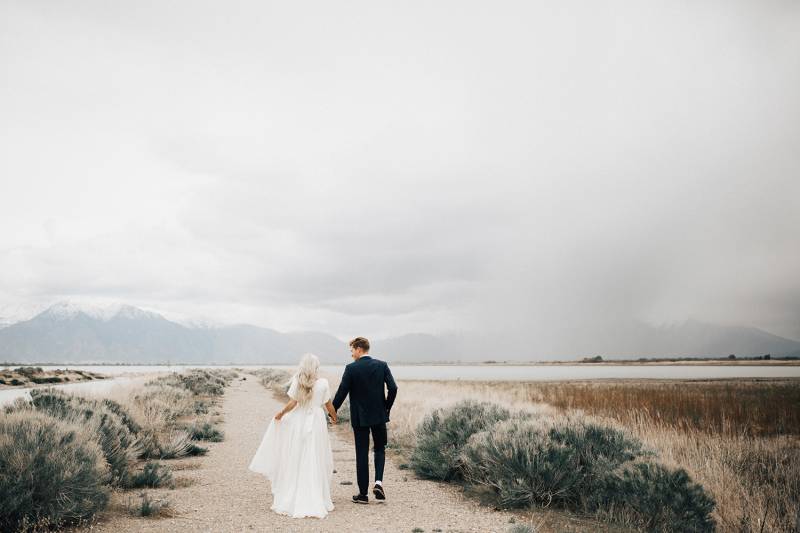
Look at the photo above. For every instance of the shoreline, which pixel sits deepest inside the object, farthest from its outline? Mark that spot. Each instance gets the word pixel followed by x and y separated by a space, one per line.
pixel 611 362
pixel 31 377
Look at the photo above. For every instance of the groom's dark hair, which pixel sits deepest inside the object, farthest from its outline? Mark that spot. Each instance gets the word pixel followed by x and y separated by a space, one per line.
pixel 360 342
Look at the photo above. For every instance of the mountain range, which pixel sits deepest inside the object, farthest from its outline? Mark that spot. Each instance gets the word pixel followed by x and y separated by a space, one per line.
pixel 71 333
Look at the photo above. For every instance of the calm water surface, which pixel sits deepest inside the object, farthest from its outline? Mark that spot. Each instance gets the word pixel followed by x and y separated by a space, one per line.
pixel 100 387
pixel 124 375
pixel 506 372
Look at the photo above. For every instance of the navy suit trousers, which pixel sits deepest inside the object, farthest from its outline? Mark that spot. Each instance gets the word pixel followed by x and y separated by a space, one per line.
pixel 379 438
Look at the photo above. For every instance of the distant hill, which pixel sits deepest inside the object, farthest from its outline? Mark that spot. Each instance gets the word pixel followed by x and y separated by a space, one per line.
pixel 698 338
pixel 70 333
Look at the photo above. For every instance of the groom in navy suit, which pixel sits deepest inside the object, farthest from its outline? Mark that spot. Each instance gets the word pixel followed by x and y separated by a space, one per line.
pixel 364 379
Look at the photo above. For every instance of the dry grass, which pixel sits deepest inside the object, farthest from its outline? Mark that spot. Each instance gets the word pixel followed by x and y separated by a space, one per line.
pixel 746 408
pixel 738 438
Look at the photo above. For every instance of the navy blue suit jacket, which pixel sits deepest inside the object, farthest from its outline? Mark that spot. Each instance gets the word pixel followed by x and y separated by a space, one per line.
pixel 364 379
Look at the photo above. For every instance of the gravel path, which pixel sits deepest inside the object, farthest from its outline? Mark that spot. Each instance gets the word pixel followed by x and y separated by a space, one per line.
pixel 223 495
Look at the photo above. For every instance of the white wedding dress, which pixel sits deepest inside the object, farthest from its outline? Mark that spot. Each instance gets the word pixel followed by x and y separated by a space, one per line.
pixel 295 454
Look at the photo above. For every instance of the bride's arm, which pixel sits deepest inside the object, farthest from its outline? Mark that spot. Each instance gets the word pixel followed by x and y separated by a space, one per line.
pixel 331 411
pixel 286 408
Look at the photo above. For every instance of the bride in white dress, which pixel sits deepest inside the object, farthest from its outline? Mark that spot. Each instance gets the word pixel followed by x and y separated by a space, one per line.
pixel 295 453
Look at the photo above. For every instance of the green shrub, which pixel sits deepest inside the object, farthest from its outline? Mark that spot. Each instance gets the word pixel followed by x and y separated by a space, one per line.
pixel 443 433
pixel 51 471
pixel 46 379
pixel 151 446
pixel 585 467
pixel 201 407
pixel 19 404
pixel 197 381
pixel 148 506
pixel 119 445
pixel 152 475
pixel 180 445
pixel 343 414
pixel 28 371
pixel 274 379
pixel 194 450
pixel 544 461
pixel 122 413
pixel 654 498
pixel 205 431
pixel 203 382
pixel 599 450
pixel 521 465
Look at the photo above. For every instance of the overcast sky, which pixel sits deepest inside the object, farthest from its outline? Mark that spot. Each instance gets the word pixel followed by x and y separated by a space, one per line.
pixel 533 168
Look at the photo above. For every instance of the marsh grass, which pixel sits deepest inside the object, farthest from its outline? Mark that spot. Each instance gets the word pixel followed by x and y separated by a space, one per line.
pixel 755 408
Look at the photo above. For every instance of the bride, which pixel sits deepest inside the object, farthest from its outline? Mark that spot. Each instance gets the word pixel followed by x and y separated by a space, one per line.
pixel 295 452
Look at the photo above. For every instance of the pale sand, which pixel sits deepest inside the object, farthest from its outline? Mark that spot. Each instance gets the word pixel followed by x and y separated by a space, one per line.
pixel 226 496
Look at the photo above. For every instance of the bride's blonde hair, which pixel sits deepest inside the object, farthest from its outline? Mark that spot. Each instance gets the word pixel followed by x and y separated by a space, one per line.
pixel 307 373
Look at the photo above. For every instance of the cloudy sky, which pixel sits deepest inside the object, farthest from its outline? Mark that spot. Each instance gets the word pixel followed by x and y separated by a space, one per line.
pixel 536 169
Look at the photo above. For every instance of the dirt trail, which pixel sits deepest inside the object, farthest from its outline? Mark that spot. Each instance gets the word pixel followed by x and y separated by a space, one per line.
pixel 225 496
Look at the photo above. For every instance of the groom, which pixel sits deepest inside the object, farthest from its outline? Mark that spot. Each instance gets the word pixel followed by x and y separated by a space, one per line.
pixel 363 379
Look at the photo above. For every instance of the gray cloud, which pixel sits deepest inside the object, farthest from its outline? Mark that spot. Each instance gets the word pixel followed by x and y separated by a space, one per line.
pixel 537 171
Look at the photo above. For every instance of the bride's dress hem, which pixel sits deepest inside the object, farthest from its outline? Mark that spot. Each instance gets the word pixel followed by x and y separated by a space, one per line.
pixel 292 515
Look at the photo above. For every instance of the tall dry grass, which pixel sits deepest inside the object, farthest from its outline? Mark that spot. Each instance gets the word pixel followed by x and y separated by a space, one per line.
pixel 738 438
pixel 746 408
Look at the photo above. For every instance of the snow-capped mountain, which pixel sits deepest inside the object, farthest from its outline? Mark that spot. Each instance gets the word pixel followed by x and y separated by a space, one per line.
pixel 71 332
pixel 68 309
pixel 11 314
pixel 200 323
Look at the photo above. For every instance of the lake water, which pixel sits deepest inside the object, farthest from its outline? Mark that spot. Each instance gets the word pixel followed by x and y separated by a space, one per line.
pixel 125 375
pixel 100 388
pixel 507 372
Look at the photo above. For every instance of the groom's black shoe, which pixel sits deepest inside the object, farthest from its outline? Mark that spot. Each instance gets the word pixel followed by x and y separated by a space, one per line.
pixel 377 490
pixel 360 498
